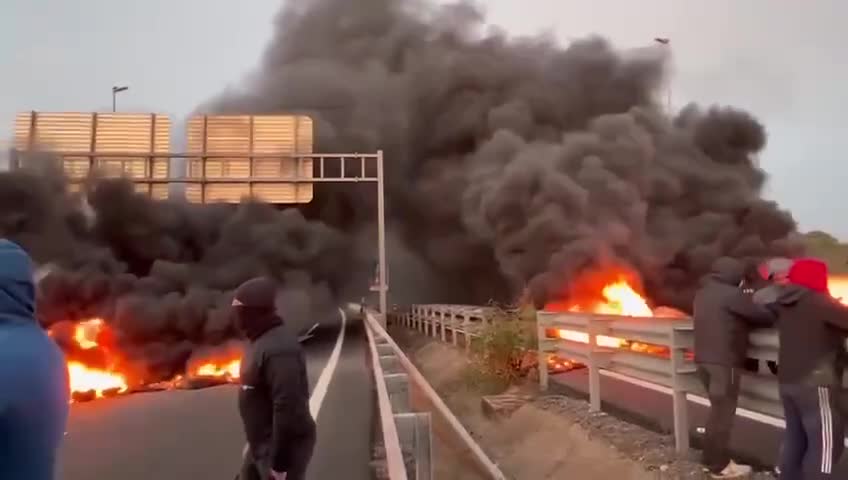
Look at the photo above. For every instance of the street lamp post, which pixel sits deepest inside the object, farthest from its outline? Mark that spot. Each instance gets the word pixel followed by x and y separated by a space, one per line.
pixel 115 91
pixel 666 42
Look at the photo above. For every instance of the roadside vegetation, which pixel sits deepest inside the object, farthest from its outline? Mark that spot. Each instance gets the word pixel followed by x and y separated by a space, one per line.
pixel 505 351
pixel 827 247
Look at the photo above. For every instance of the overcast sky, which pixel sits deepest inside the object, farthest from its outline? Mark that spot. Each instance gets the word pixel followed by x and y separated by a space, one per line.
pixel 781 59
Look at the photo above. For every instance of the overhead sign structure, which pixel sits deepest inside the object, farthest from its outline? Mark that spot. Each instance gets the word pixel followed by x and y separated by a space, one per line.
pixel 92 136
pixel 229 157
pixel 266 150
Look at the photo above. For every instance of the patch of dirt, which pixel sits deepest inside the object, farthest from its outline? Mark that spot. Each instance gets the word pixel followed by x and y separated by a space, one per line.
pixel 551 436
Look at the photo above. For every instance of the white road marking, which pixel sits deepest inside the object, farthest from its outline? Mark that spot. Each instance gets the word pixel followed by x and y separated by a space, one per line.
pixel 320 390
pixel 757 417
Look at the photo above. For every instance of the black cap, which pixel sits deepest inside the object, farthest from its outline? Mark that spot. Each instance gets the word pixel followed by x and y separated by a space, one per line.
pixel 259 293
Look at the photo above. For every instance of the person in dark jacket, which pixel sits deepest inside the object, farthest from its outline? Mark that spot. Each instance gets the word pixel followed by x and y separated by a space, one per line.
pixel 274 396
pixel 812 326
pixel 34 389
pixel 722 313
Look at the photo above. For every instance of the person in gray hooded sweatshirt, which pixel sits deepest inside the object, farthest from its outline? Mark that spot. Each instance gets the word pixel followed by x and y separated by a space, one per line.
pixel 34 390
pixel 723 315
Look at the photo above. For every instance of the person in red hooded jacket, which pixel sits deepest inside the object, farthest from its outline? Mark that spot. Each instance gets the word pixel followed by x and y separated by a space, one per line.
pixel 813 327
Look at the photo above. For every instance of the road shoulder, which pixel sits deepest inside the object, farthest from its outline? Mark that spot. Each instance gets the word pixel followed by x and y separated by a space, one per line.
pixel 550 436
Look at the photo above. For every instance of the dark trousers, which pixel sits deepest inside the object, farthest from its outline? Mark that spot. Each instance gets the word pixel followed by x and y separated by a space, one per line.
pixel 815 432
pixel 258 466
pixel 722 386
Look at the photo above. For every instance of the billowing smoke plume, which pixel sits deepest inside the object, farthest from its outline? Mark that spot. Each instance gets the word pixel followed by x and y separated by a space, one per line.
pixel 160 273
pixel 517 163
pixel 511 164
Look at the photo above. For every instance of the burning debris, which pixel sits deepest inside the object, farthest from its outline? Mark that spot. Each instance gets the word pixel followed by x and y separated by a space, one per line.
pixel 97 369
pixel 510 161
pixel 97 381
pixel 617 291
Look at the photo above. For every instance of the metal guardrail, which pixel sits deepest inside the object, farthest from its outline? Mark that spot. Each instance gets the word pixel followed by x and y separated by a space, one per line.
pixel 459 320
pixel 390 406
pixel 758 392
pixel 675 371
pixel 398 375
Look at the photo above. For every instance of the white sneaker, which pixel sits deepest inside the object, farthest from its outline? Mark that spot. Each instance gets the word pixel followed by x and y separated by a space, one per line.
pixel 733 470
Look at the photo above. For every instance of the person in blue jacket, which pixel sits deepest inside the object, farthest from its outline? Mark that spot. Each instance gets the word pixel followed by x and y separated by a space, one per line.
pixel 34 390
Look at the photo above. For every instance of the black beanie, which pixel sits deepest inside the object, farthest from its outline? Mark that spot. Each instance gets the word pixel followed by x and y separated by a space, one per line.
pixel 255 307
pixel 256 293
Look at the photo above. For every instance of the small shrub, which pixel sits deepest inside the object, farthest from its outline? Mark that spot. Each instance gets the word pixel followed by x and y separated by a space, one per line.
pixel 501 351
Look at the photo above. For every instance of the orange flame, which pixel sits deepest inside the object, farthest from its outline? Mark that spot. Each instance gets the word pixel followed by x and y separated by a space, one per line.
pixel 618 296
pixel 85 333
pixel 96 369
pixel 227 368
pixel 609 293
pixel 838 286
pixel 84 378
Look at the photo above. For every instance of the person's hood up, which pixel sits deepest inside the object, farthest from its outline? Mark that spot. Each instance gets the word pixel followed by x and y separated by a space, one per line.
pixel 255 307
pixel 806 275
pixel 17 289
pixel 727 270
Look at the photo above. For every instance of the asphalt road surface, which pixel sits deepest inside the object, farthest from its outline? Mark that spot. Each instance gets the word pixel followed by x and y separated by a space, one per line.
pixel 752 441
pixel 197 434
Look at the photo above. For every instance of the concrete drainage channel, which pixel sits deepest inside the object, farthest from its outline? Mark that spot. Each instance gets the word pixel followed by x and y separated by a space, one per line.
pixel 421 437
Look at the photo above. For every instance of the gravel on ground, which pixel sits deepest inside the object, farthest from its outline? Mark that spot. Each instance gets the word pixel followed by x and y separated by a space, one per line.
pixel 650 452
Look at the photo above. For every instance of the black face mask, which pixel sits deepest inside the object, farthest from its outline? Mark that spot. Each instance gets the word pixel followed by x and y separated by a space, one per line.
pixel 254 321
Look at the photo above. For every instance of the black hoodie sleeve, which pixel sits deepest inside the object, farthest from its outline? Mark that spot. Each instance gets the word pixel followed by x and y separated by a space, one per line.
pixel 743 306
pixel 281 373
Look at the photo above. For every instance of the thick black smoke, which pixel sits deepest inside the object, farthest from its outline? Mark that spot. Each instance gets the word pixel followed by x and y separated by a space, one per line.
pixel 160 273
pixel 518 163
pixel 511 163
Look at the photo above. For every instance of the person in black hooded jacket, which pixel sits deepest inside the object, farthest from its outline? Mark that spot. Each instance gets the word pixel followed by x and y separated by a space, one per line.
pixel 722 314
pixel 274 395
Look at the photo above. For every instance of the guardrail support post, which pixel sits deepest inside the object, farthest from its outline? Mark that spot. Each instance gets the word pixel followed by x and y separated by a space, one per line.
pixel 542 355
pixel 679 401
pixel 466 325
pixel 442 319
pixel 453 327
pixel 434 322
pixel 594 371
pixel 416 436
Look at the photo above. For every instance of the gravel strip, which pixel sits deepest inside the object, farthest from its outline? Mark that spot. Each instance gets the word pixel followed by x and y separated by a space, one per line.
pixel 655 451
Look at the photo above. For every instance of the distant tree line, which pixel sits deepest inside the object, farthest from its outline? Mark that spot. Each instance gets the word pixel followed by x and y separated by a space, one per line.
pixel 828 248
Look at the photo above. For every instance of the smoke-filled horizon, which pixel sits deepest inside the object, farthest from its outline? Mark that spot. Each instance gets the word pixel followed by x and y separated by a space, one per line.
pixel 511 164
pixel 516 163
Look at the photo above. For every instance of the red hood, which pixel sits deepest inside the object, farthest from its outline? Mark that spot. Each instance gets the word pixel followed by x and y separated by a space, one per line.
pixel 810 273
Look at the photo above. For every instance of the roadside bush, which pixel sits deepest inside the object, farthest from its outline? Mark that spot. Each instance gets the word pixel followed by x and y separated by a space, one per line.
pixel 504 352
